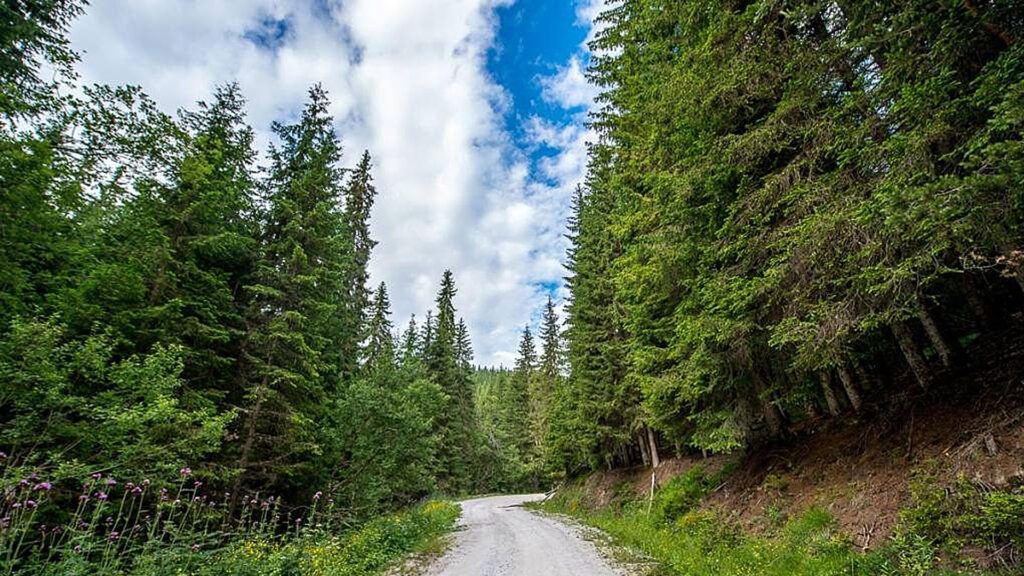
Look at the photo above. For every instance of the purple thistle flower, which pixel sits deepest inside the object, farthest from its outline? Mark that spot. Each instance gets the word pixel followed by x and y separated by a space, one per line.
pixel 83 497
pixel 101 495
pixel 185 472
pixel 197 484
pixel 111 482
pixel 30 504
pixel 136 491
pixel 145 482
pixel 196 499
pixel 43 487
pixel 24 483
pixel 195 547
pixel 115 535
pixel 318 495
pixel 16 506
pixel 78 548
pixel 129 486
pixel 96 476
pixel 55 530
pixel 33 477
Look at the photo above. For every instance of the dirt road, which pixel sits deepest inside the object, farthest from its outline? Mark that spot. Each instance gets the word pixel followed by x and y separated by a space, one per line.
pixel 501 538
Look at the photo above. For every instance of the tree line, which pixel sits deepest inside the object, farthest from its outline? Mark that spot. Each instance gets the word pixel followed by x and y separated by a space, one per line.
pixel 791 208
pixel 173 301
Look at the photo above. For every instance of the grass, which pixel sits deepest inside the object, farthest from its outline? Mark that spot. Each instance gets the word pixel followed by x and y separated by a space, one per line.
pixel 683 539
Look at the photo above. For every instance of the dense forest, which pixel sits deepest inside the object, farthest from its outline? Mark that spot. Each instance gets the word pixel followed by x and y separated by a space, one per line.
pixel 791 206
pixel 792 210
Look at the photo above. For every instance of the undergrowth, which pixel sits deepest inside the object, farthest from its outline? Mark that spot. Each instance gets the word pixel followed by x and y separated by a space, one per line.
pixel 684 539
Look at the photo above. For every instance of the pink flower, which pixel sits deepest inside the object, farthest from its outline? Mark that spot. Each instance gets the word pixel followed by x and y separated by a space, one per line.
pixel 111 482
pixel 30 504
pixel 115 535
pixel 195 547
pixel 185 472
pixel 96 476
pixel 101 495
pixel 318 495
pixel 43 487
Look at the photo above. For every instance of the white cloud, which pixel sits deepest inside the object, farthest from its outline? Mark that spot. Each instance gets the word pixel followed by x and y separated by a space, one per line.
pixel 408 82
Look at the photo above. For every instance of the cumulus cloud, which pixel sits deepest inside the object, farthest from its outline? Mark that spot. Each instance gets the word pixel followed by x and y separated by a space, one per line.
pixel 408 82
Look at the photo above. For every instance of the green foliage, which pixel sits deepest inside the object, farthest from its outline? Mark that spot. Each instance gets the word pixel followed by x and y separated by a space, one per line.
pixel 779 194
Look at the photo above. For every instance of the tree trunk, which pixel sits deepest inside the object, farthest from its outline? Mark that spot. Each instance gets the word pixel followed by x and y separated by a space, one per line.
pixel 247 445
pixel 851 388
pixel 913 356
pixel 771 413
pixel 643 450
pixel 975 302
pixel 830 394
pixel 935 336
pixel 652 441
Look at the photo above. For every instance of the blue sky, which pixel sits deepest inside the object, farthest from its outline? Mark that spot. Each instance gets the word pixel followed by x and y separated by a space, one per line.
pixel 474 112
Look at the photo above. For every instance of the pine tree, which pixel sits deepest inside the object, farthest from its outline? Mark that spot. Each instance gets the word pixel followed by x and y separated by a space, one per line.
pixel 442 361
pixel 410 346
pixel 294 360
pixel 380 346
pixel 359 196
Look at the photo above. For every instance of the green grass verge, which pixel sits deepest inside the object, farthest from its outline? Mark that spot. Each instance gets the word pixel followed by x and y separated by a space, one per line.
pixel 685 540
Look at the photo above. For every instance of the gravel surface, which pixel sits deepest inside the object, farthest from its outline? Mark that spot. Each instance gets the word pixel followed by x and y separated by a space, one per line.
pixel 501 538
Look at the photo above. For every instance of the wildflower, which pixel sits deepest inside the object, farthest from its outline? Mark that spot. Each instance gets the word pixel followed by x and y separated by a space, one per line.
pixel 115 535
pixel 254 502
pixel 83 497
pixel 185 472
pixel 3 455
pixel 82 524
pixel 5 521
pixel 33 477
pixel 196 499
pixel 136 491
pixel 197 484
pixel 111 482
pixel 55 530
pixel 318 495
pixel 78 548
pixel 24 483
pixel 212 504
pixel 136 528
pixel 176 502
pixel 42 527
pixel 195 547
pixel 298 520
pixel 43 487
pixel 30 504
pixel 16 505
pixel 96 476
pixel 129 486
pixel 101 495
pixel 145 482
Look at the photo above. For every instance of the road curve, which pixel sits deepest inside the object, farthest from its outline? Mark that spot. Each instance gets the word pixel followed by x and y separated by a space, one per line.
pixel 501 538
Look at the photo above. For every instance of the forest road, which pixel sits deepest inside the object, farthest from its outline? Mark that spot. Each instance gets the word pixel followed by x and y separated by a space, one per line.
pixel 501 538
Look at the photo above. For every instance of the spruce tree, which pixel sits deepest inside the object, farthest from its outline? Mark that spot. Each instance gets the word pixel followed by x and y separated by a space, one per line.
pixel 294 360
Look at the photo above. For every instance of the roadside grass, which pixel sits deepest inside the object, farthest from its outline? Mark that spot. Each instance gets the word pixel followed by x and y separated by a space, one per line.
pixel 370 550
pixel 683 539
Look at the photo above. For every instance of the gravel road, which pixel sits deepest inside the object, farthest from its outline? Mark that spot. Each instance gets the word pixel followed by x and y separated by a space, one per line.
pixel 501 538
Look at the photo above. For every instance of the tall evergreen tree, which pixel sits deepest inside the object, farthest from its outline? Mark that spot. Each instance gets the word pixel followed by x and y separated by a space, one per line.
pixel 380 345
pixel 359 196
pixel 294 360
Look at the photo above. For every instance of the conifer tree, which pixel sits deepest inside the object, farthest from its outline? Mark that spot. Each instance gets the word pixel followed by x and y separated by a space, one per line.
pixel 359 196
pixel 294 360
pixel 380 346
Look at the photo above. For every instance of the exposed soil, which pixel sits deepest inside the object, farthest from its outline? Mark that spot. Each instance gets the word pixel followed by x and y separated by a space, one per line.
pixel 968 424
